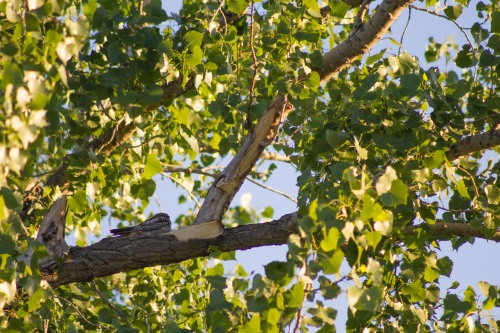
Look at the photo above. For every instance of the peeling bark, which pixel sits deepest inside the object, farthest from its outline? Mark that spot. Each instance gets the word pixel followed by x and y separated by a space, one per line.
pixel 229 181
pixel 51 232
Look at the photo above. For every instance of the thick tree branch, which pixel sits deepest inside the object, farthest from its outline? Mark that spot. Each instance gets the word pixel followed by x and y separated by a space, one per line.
pixel 362 38
pixel 474 143
pixel 113 255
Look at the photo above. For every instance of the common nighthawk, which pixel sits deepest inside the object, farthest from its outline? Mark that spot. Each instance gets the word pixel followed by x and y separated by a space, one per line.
pixel 157 222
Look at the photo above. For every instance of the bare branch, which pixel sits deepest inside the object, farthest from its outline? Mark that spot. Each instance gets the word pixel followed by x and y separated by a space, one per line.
pixel 446 18
pixel 108 303
pixel 202 171
pixel 443 230
pixel 289 197
pixel 474 143
pixel 361 14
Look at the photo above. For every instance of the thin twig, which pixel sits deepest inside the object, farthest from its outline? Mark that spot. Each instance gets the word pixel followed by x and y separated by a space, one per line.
pixel 219 9
pixel 184 187
pixel 248 121
pixel 108 303
pixel 145 141
pixel 203 171
pixel 158 202
pixel 471 178
pixel 76 309
pixel 272 189
pixel 299 313
pixel 446 18
pixel 404 30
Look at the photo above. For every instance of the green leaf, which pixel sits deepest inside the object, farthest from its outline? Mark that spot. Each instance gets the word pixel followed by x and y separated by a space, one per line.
pixel 453 12
pixel 462 189
pixel 151 95
pixel 194 38
pixel 362 152
pixel 364 299
pixel 11 74
pixel 195 58
pixel 404 63
pixel 311 4
pixel 278 272
pixel 253 325
pixel 153 167
pixel 435 160
pixel 384 182
pixel 313 80
pixel 331 265
pixel 7 245
pixel 463 59
pixel 495 22
pixel 330 242
pixel 237 6
pixel 397 195
pixel 493 194
pixel 295 296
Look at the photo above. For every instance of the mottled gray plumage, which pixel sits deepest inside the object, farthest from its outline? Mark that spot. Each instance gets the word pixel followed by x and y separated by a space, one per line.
pixel 157 222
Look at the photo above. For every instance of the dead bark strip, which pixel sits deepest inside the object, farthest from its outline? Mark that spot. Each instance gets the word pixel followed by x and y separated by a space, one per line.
pixel 229 181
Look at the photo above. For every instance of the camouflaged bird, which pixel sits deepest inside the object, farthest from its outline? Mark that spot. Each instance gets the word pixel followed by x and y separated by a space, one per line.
pixel 160 221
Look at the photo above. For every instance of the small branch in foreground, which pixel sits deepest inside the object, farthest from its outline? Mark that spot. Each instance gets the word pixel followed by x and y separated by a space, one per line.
pixel 184 187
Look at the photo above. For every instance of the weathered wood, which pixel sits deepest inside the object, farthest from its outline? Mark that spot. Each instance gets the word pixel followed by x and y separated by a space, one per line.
pixel 229 181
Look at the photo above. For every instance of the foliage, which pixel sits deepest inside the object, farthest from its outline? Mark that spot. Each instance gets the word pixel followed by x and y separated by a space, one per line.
pixel 370 146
